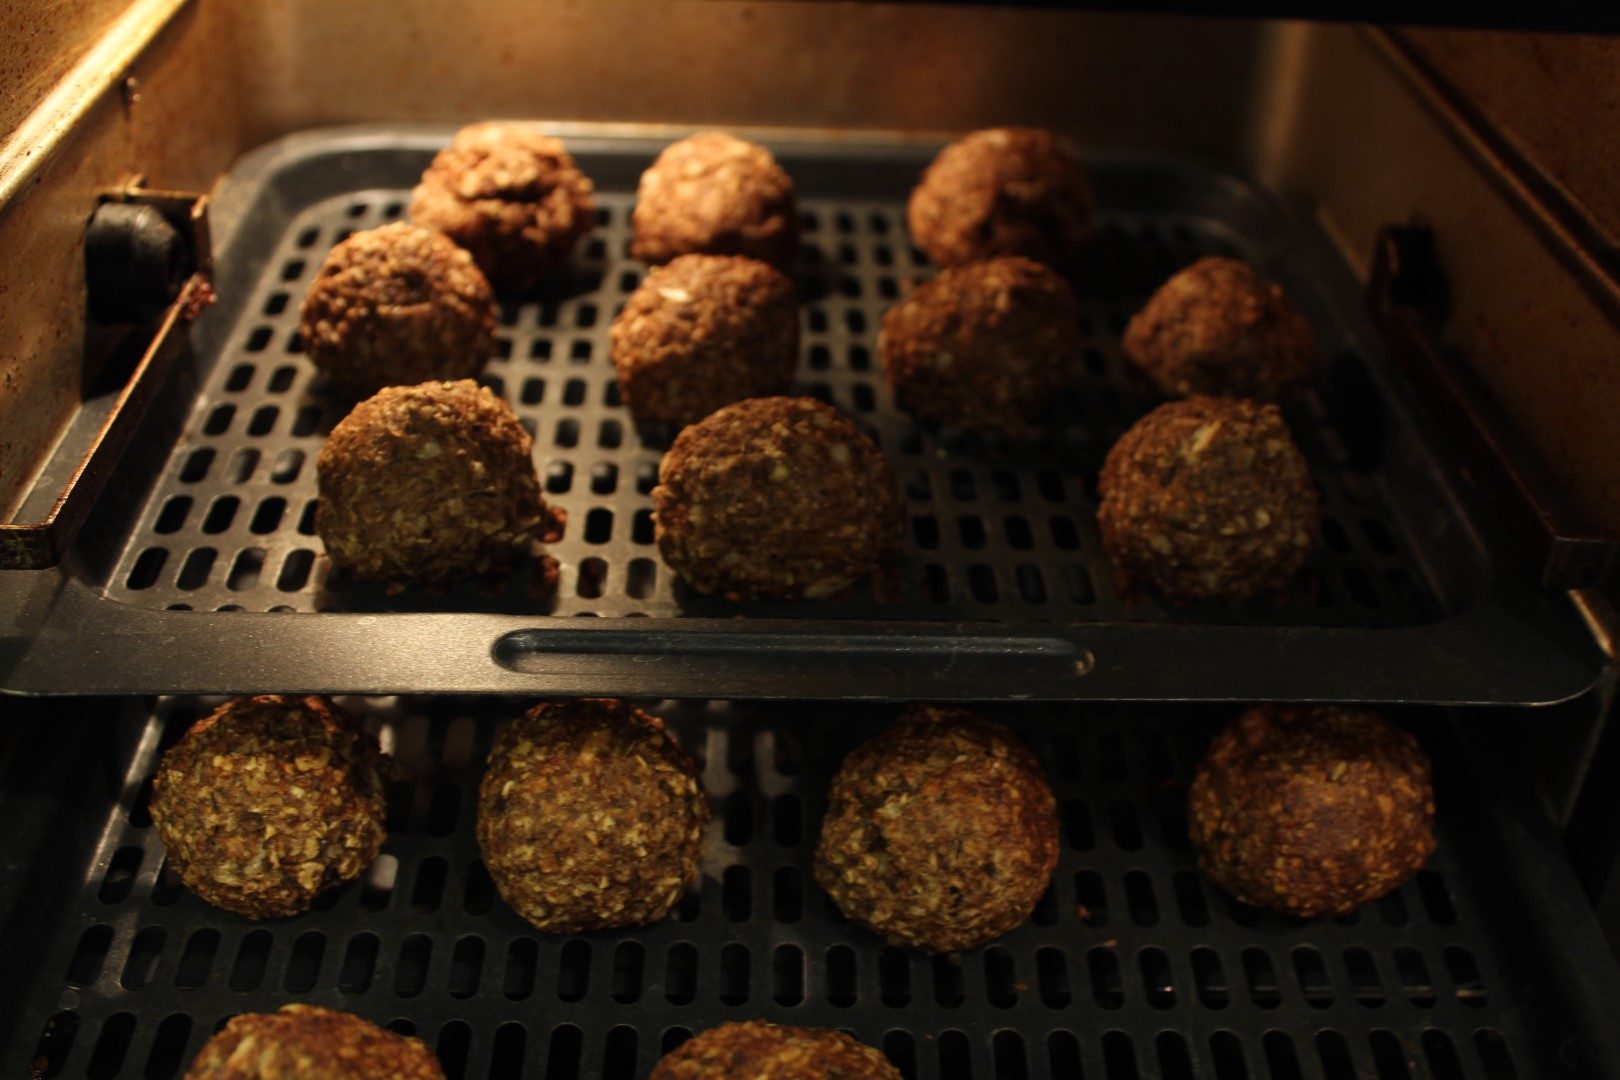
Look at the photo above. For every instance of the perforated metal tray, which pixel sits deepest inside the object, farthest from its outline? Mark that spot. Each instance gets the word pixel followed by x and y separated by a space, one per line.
pixel 1488 966
pixel 1003 591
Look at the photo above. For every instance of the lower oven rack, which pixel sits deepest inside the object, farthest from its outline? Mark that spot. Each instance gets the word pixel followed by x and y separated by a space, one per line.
pixel 1487 966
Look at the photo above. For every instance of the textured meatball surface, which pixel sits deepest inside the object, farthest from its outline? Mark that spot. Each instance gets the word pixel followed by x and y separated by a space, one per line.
pixel 267 802
pixel 1218 327
pixel 395 306
pixel 1311 810
pixel 1207 499
pixel 715 194
pixel 985 345
pixel 590 816
pixel 429 484
pixel 1002 191
pixel 756 1050
pixel 306 1042
pixel 512 197
pixel 702 332
pixel 775 498
pixel 941 833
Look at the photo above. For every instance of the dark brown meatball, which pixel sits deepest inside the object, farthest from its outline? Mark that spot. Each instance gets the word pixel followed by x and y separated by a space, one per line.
pixel 702 332
pixel 941 832
pixel 512 197
pixel 715 194
pixel 1207 499
pixel 427 485
pixel 1002 191
pixel 756 1050
pixel 267 802
pixel 306 1042
pixel 1218 327
pixel 775 497
pixel 982 346
pixel 1311 810
pixel 590 816
pixel 394 306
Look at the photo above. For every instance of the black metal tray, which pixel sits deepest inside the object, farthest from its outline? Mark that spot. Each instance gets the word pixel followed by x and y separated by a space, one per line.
pixel 203 574
pixel 1488 966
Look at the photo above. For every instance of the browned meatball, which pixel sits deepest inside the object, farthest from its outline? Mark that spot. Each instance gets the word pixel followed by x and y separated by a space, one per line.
pixel 1207 499
pixel 775 497
pixel 715 194
pixel 397 305
pixel 512 197
pixel 941 832
pixel 1002 191
pixel 590 816
pixel 424 485
pixel 982 346
pixel 1311 810
pixel 702 332
pixel 267 802
pixel 1218 327
pixel 756 1050
pixel 306 1042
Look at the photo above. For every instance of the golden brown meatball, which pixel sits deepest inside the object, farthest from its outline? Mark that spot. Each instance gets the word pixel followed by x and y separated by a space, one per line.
pixel 395 306
pixel 985 345
pixel 941 832
pixel 1218 327
pixel 756 1050
pixel 305 1042
pixel 1002 191
pixel 1311 810
pixel 590 816
pixel 1207 499
pixel 775 498
pixel 429 484
pixel 512 197
pixel 715 194
pixel 267 802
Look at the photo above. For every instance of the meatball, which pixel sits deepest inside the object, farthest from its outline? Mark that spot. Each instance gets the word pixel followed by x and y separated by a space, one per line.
pixel 756 1050
pixel 775 498
pixel 306 1042
pixel 512 197
pixel 1207 499
pixel 590 816
pixel 427 485
pixel 1311 810
pixel 702 332
pixel 715 194
pixel 267 802
pixel 982 346
pixel 1218 327
pixel 941 833
pixel 1002 191
pixel 396 306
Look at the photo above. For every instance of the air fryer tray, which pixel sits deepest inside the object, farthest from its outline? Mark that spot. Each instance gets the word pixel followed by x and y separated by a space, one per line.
pixel 1488 966
pixel 204 574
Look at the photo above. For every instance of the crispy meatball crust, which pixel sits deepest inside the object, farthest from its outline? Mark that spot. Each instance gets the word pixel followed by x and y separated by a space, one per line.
pixel 715 194
pixel 397 305
pixel 306 1042
pixel 702 332
pixel 775 498
pixel 941 833
pixel 425 485
pixel 982 346
pixel 512 197
pixel 590 816
pixel 267 802
pixel 1002 191
pixel 1218 327
pixel 1207 499
pixel 1311 811
pixel 756 1050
